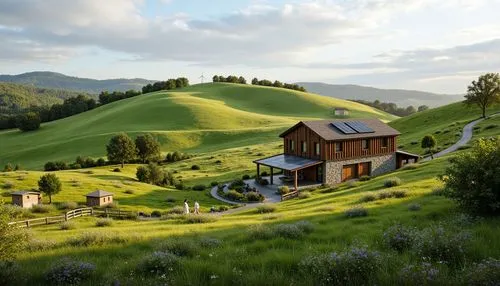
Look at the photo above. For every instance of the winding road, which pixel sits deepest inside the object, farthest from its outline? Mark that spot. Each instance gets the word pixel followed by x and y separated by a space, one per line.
pixel 466 137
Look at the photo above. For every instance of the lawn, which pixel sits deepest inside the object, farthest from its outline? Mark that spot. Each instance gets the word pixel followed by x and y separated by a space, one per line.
pixel 240 257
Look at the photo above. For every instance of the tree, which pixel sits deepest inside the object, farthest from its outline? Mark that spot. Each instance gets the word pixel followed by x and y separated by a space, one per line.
pixel 29 121
pixel 142 174
pixel 147 147
pixel 422 108
pixel 121 149
pixel 8 168
pixel 255 81
pixel 471 178
pixel 410 110
pixel 242 80
pixel 429 142
pixel 50 185
pixel 277 83
pixel 215 78
pixel 12 238
pixel 484 92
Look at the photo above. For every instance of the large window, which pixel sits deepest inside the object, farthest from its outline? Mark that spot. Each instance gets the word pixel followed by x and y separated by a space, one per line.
pixel 304 147
pixel 385 142
pixel 316 149
pixel 338 147
pixel 292 146
pixel 365 144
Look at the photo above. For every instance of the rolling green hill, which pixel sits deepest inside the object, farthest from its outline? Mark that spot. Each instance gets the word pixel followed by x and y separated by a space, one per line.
pixel 61 81
pixel 200 118
pixel 14 97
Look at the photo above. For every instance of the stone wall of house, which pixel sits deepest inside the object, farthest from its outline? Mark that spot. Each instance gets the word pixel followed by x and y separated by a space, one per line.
pixel 379 165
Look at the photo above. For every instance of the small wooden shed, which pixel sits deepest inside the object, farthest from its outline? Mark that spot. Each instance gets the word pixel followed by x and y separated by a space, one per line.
pixel 340 111
pixel 99 198
pixel 26 199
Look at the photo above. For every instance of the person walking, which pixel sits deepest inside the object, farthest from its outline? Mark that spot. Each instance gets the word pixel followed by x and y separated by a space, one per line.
pixel 186 207
pixel 196 207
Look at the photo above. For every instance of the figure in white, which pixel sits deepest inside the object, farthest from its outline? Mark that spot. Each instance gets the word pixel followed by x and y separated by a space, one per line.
pixel 196 207
pixel 186 207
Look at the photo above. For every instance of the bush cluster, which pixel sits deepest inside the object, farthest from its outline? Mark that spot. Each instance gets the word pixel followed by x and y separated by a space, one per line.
pixel 179 247
pixel 102 222
pixel 355 266
pixel 277 83
pixel 199 187
pixel 42 208
pixel 69 272
pixel 486 272
pixel 96 239
pixel 67 225
pixel 10 273
pixel 399 237
pixel 154 174
pixel 201 218
pixel 356 212
pixel 304 195
pixel 283 190
pixel 158 263
pixel 287 231
pixel 171 83
pixel 266 209
pixel 392 182
pixel 176 156
pixel 420 274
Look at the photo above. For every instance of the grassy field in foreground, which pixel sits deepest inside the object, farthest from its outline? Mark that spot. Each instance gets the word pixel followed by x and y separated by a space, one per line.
pixel 445 123
pixel 201 118
pixel 241 253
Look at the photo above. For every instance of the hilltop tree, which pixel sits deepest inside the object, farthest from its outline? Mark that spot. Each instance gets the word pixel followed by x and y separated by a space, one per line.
pixel 429 142
pixel 471 178
pixel 255 81
pixel 148 148
pixel 29 121
pixel 242 80
pixel 422 108
pixel 50 185
pixel 121 149
pixel 484 92
pixel 215 78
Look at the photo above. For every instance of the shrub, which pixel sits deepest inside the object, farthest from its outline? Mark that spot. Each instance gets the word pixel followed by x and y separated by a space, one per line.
pixel 203 218
pixel 398 194
pixel 491 126
pixel 245 177
pixel 42 208
pixel 263 174
pixel 487 272
pixel 355 266
pixel 28 122
pixel 399 237
pixel 130 192
pixel 437 244
pixel 156 213
pixel 365 178
pixel 102 222
pixel 170 200
pixel 180 186
pixel 117 170
pixel 95 239
pixel 195 167
pixel 223 208
pixel 352 184
pixel 69 272
pixel 8 168
pixel 158 263
pixel 437 132
pixel 266 209
pixel 263 182
pixel 8 185
pixel 179 247
pixel 199 187
pixel 260 232
pixel 305 226
pixel 392 182
pixel 290 231
pixel 101 162
pixel 356 212
pixel 40 245
pixel 414 207
pixel 234 195
pixel 471 178
pixel 414 142
pixel 210 242
pixel 367 198
pixel 176 210
pixel 304 195
pixel 10 273
pixel 254 197
pixel 213 184
pixel 420 274
pixel 67 206
pixel 113 205
pixel 67 225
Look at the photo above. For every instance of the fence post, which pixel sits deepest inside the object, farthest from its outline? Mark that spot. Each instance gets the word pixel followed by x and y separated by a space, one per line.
pixel 91 211
pixel 46 220
pixel 28 223
pixel 66 216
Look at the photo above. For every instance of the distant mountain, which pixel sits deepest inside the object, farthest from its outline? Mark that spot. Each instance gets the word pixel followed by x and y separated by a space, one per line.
pixel 399 96
pixel 61 81
pixel 16 97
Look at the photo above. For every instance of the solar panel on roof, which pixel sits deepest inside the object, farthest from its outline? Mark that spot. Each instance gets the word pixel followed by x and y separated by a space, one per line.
pixel 344 128
pixel 360 127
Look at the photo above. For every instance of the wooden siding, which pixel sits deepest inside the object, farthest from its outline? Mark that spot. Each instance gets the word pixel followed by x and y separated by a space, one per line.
pixel 350 148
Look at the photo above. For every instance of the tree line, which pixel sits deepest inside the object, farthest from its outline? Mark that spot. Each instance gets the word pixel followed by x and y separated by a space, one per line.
pixel 393 108
pixel 256 81
pixel 30 118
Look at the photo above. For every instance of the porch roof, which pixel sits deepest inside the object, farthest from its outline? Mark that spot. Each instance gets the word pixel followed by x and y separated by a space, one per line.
pixel 408 154
pixel 287 162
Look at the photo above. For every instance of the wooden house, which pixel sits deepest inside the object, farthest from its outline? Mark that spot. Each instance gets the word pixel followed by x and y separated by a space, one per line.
pixel 99 198
pixel 26 199
pixel 340 111
pixel 333 151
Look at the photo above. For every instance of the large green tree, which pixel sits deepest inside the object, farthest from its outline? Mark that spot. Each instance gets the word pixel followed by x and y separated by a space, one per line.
pixel 484 92
pixel 429 142
pixel 148 148
pixel 471 178
pixel 121 149
pixel 12 239
pixel 50 185
pixel 29 121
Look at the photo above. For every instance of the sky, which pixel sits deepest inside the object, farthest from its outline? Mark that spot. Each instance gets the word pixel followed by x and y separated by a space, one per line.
pixel 431 45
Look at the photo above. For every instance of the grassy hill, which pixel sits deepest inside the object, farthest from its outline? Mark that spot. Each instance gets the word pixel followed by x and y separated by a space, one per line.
pixel 200 118
pixel 61 81
pixel 14 97
pixel 399 96
pixel 445 123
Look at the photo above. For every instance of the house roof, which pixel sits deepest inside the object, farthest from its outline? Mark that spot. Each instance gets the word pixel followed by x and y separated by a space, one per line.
pixel 327 131
pixel 288 162
pixel 408 153
pixel 340 108
pixel 99 194
pixel 21 193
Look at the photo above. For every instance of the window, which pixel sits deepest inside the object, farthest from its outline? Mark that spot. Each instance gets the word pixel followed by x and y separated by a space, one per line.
pixel 338 147
pixel 316 148
pixel 104 199
pixel 304 147
pixel 365 144
pixel 292 145
pixel 385 142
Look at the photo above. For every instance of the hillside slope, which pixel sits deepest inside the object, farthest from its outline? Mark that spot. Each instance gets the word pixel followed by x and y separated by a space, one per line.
pixel 399 96
pixel 445 123
pixel 14 97
pixel 197 119
pixel 61 81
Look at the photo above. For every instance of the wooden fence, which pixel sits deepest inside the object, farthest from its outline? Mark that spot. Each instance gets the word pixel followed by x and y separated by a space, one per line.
pixel 290 195
pixel 74 214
